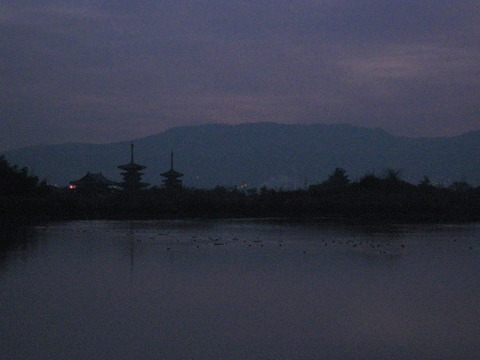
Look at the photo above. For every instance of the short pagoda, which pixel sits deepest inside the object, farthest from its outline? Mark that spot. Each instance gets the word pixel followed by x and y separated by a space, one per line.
pixel 172 178
pixel 132 175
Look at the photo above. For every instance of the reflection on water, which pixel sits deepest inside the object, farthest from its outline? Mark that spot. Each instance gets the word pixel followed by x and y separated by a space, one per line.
pixel 15 240
pixel 239 290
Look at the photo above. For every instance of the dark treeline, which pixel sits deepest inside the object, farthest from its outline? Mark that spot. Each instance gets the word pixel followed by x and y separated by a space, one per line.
pixel 373 197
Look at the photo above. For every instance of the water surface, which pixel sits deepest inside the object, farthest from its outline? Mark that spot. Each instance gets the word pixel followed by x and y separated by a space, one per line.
pixel 239 290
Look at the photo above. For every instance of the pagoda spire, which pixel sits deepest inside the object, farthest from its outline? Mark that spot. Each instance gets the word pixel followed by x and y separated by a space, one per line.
pixel 172 178
pixel 132 175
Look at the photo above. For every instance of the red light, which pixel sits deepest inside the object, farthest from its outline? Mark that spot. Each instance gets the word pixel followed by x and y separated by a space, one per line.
pixel 72 187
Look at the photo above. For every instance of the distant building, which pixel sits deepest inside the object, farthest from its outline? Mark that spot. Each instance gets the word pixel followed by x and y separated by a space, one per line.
pixel 92 182
pixel 172 177
pixel 132 176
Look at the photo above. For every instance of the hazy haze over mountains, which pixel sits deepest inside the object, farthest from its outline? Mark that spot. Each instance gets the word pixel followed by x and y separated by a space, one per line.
pixel 271 154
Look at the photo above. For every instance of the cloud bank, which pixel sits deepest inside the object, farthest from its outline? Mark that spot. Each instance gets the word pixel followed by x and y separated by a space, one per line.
pixel 103 71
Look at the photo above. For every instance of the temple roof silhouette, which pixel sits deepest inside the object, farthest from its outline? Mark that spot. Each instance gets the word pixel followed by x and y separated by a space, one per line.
pixel 93 178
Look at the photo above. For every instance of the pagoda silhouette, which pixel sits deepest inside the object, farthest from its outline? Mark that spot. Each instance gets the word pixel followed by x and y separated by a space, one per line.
pixel 172 178
pixel 132 175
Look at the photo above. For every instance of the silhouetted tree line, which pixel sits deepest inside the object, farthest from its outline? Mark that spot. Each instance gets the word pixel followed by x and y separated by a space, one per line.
pixel 17 181
pixel 372 197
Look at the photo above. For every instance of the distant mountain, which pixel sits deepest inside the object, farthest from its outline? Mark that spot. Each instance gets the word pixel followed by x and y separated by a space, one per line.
pixel 275 155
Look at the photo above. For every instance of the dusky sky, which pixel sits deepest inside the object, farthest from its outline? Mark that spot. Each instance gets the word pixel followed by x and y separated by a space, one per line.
pixel 105 71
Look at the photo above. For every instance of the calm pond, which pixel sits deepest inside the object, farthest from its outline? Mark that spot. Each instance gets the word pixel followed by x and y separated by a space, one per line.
pixel 239 289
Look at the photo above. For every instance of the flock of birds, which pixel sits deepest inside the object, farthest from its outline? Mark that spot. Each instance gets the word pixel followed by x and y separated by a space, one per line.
pixel 177 239
pixel 174 241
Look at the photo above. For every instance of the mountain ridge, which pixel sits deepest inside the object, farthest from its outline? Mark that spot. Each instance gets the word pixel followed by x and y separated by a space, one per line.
pixel 263 154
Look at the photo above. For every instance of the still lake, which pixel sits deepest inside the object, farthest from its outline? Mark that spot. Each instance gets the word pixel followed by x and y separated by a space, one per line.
pixel 239 289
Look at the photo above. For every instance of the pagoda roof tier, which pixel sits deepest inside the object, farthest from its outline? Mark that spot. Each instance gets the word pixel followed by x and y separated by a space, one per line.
pixel 171 174
pixel 131 166
pixel 139 184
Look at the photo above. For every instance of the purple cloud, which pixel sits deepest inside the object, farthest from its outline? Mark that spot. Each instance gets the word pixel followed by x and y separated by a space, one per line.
pixel 115 70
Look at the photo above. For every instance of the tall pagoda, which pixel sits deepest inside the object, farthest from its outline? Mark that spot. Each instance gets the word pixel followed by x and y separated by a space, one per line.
pixel 132 175
pixel 172 177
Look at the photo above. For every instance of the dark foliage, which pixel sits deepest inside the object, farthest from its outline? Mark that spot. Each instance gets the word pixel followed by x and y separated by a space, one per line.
pixel 386 198
pixel 336 181
pixel 15 181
